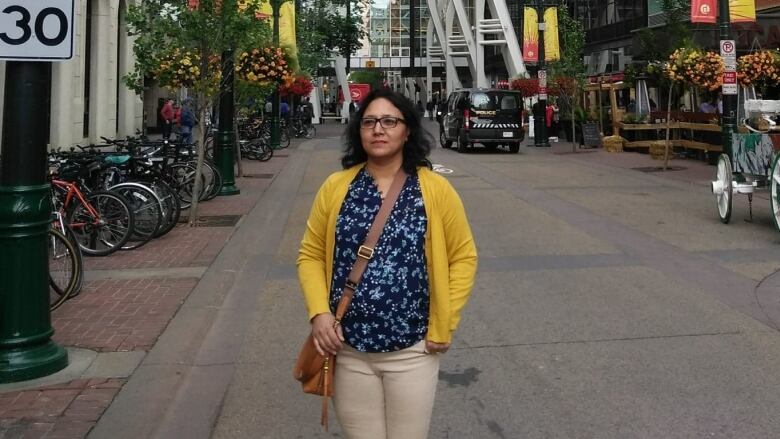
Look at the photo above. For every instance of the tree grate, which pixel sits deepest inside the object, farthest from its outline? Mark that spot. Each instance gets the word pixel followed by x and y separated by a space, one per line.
pixel 214 220
pixel 659 168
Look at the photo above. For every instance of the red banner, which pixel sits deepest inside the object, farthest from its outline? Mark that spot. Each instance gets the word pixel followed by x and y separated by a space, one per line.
pixel 704 11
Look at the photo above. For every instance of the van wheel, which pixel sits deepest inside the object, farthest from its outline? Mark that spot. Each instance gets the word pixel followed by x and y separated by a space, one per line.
pixel 443 139
pixel 462 145
pixel 514 148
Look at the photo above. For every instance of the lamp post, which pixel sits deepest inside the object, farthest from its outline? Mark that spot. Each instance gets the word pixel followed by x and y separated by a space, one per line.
pixel 224 153
pixel 26 349
pixel 728 118
pixel 225 156
pixel 275 98
pixel 540 139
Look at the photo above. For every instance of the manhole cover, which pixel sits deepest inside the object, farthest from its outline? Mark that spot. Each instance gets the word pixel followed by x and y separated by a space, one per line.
pixel 215 220
pixel 258 175
pixel 659 168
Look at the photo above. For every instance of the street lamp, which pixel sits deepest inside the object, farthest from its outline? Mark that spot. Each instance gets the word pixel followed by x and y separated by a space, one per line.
pixel 26 349
pixel 540 138
pixel 224 153
pixel 275 98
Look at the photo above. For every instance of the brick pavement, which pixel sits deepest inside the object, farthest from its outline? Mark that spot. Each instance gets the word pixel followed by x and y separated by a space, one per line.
pixel 67 410
pixel 118 315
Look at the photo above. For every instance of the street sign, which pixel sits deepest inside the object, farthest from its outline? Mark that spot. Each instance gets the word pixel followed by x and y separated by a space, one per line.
pixel 729 83
pixel 728 51
pixel 36 31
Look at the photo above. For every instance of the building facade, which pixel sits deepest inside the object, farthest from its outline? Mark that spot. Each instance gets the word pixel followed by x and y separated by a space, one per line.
pixel 88 98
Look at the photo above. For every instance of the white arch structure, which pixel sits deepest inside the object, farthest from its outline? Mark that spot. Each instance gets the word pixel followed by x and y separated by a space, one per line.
pixel 458 42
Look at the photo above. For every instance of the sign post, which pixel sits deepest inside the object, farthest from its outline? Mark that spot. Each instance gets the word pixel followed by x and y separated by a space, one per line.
pixel 31 36
pixel 728 50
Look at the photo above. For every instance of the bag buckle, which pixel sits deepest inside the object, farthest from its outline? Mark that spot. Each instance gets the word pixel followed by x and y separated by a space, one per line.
pixel 365 252
pixel 351 285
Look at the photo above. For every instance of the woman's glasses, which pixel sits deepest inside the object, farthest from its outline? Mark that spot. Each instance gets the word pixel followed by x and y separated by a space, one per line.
pixel 369 123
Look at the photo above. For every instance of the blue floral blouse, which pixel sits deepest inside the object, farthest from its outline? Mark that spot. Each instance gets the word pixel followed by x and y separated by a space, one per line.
pixel 390 308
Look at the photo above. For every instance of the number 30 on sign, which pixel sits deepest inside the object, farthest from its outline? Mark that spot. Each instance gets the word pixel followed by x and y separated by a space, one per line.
pixel 36 30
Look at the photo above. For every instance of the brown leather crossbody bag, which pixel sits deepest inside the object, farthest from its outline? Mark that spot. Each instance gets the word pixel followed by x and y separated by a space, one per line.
pixel 315 371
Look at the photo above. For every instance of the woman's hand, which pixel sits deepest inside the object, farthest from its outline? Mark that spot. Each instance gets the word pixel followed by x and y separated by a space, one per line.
pixel 326 333
pixel 436 348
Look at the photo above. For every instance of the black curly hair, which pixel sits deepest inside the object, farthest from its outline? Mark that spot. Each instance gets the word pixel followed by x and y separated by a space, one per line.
pixel 417 146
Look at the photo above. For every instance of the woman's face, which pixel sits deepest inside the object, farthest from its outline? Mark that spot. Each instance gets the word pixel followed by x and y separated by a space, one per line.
pixel 380 140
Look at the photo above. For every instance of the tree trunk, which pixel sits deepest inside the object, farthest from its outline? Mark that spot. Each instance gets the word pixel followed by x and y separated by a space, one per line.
pixel 237 148
pixel 198 187
pixel 668 127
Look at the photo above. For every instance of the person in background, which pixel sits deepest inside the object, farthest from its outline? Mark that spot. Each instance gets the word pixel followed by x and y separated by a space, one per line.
pixel 167 114
pixel 177 118
pixel 188 121
pixel 284 112
pixel 420 108
pixel 707 107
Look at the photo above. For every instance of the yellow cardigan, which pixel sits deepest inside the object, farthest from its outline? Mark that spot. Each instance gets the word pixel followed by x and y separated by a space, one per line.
pixel 449 249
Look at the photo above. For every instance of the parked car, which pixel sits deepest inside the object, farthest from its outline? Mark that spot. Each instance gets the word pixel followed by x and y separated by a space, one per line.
pixel 489 117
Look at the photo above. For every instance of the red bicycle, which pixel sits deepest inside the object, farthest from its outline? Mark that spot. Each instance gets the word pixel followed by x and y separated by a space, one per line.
pixel 101 221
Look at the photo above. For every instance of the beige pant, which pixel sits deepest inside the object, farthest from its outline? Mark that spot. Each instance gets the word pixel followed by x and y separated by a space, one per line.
pixel 385 395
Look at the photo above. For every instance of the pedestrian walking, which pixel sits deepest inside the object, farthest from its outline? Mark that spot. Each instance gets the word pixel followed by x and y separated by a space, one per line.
pixel 188 121
pixel 167 114
pixel 417 279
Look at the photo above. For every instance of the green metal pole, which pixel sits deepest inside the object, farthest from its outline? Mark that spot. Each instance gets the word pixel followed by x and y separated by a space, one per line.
pixel 26 349
pixel 275 99
pixel 225 158
pixel 728 118
pixel 540 139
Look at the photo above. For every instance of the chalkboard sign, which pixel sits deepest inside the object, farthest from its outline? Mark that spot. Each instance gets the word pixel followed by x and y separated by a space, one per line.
pixel 591 135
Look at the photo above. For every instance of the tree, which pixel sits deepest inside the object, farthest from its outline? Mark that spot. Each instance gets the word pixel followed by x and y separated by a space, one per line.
pixel 179 44
pixel 568 74
pixel 324 28
pixel 657 44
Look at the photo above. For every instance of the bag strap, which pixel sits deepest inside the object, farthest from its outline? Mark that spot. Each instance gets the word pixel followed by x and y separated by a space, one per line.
pixel 366 251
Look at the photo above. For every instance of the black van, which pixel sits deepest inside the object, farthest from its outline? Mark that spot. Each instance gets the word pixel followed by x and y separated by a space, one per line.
pixel 490 117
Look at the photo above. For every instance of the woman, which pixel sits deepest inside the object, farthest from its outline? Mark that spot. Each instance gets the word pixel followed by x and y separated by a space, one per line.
pixel 408 302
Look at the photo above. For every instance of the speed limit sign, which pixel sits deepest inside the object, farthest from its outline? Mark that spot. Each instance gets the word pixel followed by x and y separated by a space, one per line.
pixel 36 30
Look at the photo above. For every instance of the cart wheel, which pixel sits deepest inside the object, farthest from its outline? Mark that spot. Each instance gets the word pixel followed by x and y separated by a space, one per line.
pixel 774 199
pixel 722 188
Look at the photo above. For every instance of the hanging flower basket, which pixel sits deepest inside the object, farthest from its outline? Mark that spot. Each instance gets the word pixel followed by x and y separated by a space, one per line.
pixel 527 86
pixel 760 69
pixel 266 65
pixel 696 67
pixel 299 85
pixel 179 68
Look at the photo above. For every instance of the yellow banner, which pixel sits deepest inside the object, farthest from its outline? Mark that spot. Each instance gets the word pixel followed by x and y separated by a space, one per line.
pixel 530 35
pixel 552 49
pixel 286 25
pixel 742 11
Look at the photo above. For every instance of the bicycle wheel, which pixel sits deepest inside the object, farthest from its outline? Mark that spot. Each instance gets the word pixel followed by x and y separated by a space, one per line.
pixel 107 232
pixel 183 178
pixel 64 268
pixel 284 139
pixel 171 206
pixel 80 279
pixel 147 212
pixel 217 181
pixel 264 150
